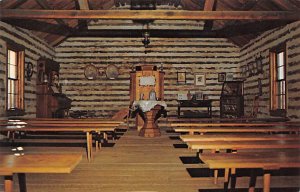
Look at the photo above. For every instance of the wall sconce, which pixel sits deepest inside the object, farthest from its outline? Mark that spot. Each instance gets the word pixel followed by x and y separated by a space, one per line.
pixel 146 35
pixel 146 40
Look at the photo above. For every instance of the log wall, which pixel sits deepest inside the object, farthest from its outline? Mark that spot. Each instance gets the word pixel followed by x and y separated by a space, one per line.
pixel 196 55
pixel 261 46
pixel 34 48
pixel 105 97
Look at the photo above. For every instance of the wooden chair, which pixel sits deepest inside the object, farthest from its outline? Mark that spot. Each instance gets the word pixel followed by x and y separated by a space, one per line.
pixel 254 109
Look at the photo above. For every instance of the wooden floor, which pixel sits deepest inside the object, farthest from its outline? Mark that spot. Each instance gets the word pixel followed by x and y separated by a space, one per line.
pixel 133 164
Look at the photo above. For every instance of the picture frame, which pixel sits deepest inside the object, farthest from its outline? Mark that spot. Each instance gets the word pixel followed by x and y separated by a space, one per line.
pixel 229 77
pixel 182 96
pixel 199 95
pixel 221 77
pixel 181 77
pixel 200 79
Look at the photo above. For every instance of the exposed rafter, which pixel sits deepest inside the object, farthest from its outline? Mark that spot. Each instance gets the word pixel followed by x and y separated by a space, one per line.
pixel 14 4
pixel 149 14
pixel 210 5
pixel 284 5
pixel 41 26
pixel 83 4
pixel 45 5
pixel 249 28
pixel 248 5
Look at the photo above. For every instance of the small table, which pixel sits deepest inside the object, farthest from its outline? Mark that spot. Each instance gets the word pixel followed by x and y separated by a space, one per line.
pixel 43 163
pixel 149 111
pixel 195 104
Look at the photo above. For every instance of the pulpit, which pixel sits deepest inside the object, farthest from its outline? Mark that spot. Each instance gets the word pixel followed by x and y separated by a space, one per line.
pixel 150 111
pixel 146 84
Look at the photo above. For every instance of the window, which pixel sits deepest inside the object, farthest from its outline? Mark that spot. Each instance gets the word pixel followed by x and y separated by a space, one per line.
pixel 278 80
pixel 15 78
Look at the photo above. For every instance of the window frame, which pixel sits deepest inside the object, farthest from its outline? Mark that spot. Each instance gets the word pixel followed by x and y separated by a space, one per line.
pixel 20 80
pixel 275 106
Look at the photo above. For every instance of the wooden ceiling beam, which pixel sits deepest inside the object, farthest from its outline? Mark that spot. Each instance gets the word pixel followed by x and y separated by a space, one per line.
pixel 45 5
pixel 13 4
pixel 250 28
pixel 209 5
pixel 131 33
pixel 83 4
pixel 41 26
pixel 149 14
pixel 284 5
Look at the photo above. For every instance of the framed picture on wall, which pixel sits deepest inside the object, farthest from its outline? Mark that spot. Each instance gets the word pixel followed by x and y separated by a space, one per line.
pixel 221 77
pixel 200 79
pixel 199 95
pixel 181 77
pixel 229 77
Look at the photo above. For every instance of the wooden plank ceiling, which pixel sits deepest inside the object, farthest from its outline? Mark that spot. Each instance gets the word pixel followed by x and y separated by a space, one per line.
pixel 55 20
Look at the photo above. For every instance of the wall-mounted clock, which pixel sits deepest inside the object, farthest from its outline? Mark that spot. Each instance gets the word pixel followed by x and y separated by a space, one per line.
pixel 90 72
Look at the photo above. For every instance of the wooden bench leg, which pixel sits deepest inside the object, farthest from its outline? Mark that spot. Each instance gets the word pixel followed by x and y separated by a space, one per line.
pixel 105 135
pixel 252 181
pixel 88 146
pixel 22 182
pixel 267 181
pixel 91 146
pixel 8 183
pixel 233 178
pixel 226 179
pixel 97 141
pixel 216 176
pixel 215 171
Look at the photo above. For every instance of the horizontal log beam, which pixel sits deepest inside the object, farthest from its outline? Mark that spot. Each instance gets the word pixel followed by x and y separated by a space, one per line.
pixel 132 33
pixel 41 26
pixel 148 14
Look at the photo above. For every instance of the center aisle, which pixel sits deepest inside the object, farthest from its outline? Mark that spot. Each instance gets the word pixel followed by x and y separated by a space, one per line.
pixel 144 164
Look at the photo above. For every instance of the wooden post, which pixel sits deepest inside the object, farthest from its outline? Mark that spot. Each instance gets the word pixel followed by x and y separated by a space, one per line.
pixel 8 183
pixel 267 181
pixel 88 143
pixel 22 182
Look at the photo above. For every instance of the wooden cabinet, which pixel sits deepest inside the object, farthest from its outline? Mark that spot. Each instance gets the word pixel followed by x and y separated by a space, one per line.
pixel 232 100
pixel 50 102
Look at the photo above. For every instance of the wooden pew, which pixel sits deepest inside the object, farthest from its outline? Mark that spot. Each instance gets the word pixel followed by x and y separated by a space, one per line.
pixel 51 122
pixel 262 160
pixel 246 144
pixel 65 121
pixel 229 124
pixel 216 120
pixel 236 145
pixel 43 163
pixel 265 129
pixel 87 129
pixel 238 137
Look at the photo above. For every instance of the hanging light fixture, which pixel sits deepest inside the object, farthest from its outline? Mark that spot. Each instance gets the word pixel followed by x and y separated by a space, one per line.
pixel 146 35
